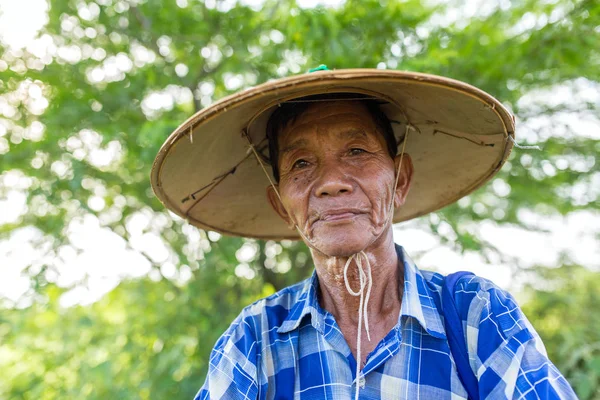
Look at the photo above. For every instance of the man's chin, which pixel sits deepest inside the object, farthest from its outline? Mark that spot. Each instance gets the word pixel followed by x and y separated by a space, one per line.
pixel 341 244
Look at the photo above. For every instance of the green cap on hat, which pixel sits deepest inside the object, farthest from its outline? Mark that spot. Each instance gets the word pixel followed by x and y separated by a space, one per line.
pixel 321 67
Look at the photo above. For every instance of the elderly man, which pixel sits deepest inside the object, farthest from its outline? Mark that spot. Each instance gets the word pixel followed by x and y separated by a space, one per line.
pixel 368 324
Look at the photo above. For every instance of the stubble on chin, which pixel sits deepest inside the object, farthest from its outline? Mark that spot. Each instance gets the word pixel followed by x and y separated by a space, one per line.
pixel 343 246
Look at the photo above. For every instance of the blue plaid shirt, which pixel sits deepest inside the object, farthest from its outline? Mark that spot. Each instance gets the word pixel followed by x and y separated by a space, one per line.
pixel 287 347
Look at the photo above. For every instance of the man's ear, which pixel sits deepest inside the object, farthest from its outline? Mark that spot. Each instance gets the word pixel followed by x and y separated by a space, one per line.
pixel 404 179
pixel 278 206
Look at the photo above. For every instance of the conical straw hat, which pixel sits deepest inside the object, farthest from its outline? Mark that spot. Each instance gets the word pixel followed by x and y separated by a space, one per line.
pixel 206 173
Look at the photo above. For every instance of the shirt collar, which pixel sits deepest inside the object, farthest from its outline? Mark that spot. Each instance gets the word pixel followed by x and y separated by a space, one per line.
pixel 419 298
pixel 307 303
pixel 417 301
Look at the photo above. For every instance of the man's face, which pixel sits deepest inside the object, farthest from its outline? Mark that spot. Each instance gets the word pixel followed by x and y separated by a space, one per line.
pixel 336 177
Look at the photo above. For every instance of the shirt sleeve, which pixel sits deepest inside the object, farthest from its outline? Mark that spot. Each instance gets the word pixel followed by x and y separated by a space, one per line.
pixel 232 367
pixel 506 353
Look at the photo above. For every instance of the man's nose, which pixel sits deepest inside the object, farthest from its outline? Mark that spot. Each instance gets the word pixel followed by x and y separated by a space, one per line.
pixel 332 181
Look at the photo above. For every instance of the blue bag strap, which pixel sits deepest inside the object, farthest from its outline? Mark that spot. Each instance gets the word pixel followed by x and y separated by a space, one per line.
pixel 456 336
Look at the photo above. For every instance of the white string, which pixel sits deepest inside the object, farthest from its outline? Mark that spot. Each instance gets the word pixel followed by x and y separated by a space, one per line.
pixel 523 147
pixel 366 282
pixel 365 279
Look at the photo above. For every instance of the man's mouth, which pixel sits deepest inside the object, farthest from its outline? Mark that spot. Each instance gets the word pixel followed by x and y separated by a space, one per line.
pixel 339 214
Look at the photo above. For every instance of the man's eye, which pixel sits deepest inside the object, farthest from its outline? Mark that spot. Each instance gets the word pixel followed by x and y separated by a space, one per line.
pixel 300 164
pixel 356 151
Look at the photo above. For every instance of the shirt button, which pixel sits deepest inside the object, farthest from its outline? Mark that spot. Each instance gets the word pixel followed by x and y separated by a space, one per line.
pixel 361 382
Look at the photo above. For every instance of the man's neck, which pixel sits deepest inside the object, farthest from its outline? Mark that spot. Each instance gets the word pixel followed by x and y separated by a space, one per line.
pixel 386 277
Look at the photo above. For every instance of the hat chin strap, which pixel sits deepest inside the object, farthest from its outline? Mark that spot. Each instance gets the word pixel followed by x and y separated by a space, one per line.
pixel 365 278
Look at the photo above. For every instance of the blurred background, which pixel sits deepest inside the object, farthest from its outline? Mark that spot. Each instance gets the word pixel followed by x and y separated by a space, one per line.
pixel 104 294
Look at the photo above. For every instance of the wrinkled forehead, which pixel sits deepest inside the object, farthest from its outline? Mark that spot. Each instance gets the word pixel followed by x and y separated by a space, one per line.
pixel 339 118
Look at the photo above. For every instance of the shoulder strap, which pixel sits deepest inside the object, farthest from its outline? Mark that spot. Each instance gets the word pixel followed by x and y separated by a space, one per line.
pixel 456 336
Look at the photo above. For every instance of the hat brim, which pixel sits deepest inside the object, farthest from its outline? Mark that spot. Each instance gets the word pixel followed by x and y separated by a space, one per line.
pixel 206 173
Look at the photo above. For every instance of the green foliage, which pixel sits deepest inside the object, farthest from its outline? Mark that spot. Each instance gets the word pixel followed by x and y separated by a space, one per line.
pixel 563 303
pixel 143 340
pixel 150 338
